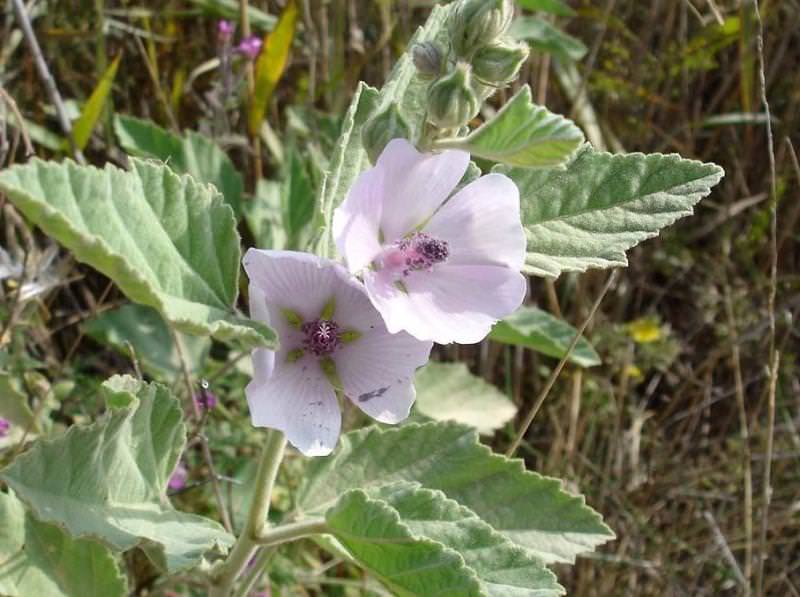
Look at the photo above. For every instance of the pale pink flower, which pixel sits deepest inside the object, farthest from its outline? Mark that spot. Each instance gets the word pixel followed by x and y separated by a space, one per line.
pixel 332 341
pixel 441 269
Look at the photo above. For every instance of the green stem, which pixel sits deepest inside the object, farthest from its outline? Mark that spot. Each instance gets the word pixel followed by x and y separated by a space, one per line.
pixel 252 576
pixel 292 531
pixel 246 545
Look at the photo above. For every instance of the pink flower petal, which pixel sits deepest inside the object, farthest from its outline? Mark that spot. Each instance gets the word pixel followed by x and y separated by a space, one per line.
pixel 300 282
pixel 299 401
pixel 388 404
pixel 452 303
pixel 263 359
pixel 356 222
pixel 377 370
pixel 481 224
pixel 415 184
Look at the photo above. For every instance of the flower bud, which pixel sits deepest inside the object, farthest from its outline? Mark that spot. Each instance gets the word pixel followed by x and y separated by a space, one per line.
pixel 386 125
pixel 451 101
pixel 177 480
pixel 499 63
pixel 476 23
pixel 225 31
pixel 427 57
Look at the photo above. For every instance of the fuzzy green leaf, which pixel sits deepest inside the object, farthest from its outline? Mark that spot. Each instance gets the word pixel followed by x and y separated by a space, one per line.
pixel 40 559
pixel 348 161
pixel 14 404
pixel 298 200
pixel 421 543
pixel 150 337
pixel 522 134
pixel 538 330
pixel 528 509
pixel 372 531
pixel 192 154
pixel 599 206
pixel 107 481
pixel 449 392
pixel 167 241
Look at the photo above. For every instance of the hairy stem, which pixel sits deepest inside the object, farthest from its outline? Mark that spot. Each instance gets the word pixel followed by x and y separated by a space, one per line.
pixel 292 531
pixel 246 545
pixel 253 575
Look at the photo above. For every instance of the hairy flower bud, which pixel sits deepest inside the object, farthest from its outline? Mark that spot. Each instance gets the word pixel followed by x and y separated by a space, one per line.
pixel 386 125
pixel 451 101
pixel 476 23
pixel 427 58
pixel 499 63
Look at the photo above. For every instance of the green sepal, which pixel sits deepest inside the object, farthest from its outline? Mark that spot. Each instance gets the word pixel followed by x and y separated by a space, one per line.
pixel 329 309
pixel 294 355
pixel 293 318
pixel 349 336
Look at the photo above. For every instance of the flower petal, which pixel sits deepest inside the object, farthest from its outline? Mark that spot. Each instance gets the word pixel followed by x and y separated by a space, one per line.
pixel 356 222
pixel 263 359
pixel 300 282
pixel 481 224
pixel 452 303
pixel 299 401
pixel 415 184
pixel 377 370
pixel 388 404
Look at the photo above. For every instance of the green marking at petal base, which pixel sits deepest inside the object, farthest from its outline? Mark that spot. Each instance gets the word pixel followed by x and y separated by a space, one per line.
pixel 293 318
pixel 329 309
pixel 349 336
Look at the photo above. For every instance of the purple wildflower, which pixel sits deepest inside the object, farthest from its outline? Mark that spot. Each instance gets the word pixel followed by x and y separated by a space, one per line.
pixel 178 479
pixel 250 47
pixel 205 400
pixel 441 269
pixel 225 30
pixel 332 341
pixel 4 427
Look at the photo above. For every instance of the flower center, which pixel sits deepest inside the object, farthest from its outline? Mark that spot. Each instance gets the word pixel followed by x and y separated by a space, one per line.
pixel 322 336
pixel 418 252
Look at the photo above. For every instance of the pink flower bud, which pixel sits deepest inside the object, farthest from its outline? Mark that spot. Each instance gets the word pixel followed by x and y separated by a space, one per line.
pixel 178 479
pixel 225 30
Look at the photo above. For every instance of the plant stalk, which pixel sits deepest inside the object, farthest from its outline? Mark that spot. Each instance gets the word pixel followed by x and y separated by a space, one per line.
pixel 292 531
pixel 246 545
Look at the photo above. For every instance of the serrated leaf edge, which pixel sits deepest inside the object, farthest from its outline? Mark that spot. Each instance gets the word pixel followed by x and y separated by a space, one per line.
pixel 395 515
pixel 49 441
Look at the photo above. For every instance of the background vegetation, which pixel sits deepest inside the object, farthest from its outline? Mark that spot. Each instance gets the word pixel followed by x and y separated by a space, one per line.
pixel 669 438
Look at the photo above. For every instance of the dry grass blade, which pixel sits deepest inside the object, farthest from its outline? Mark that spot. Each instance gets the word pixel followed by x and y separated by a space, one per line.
pixel 557 371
